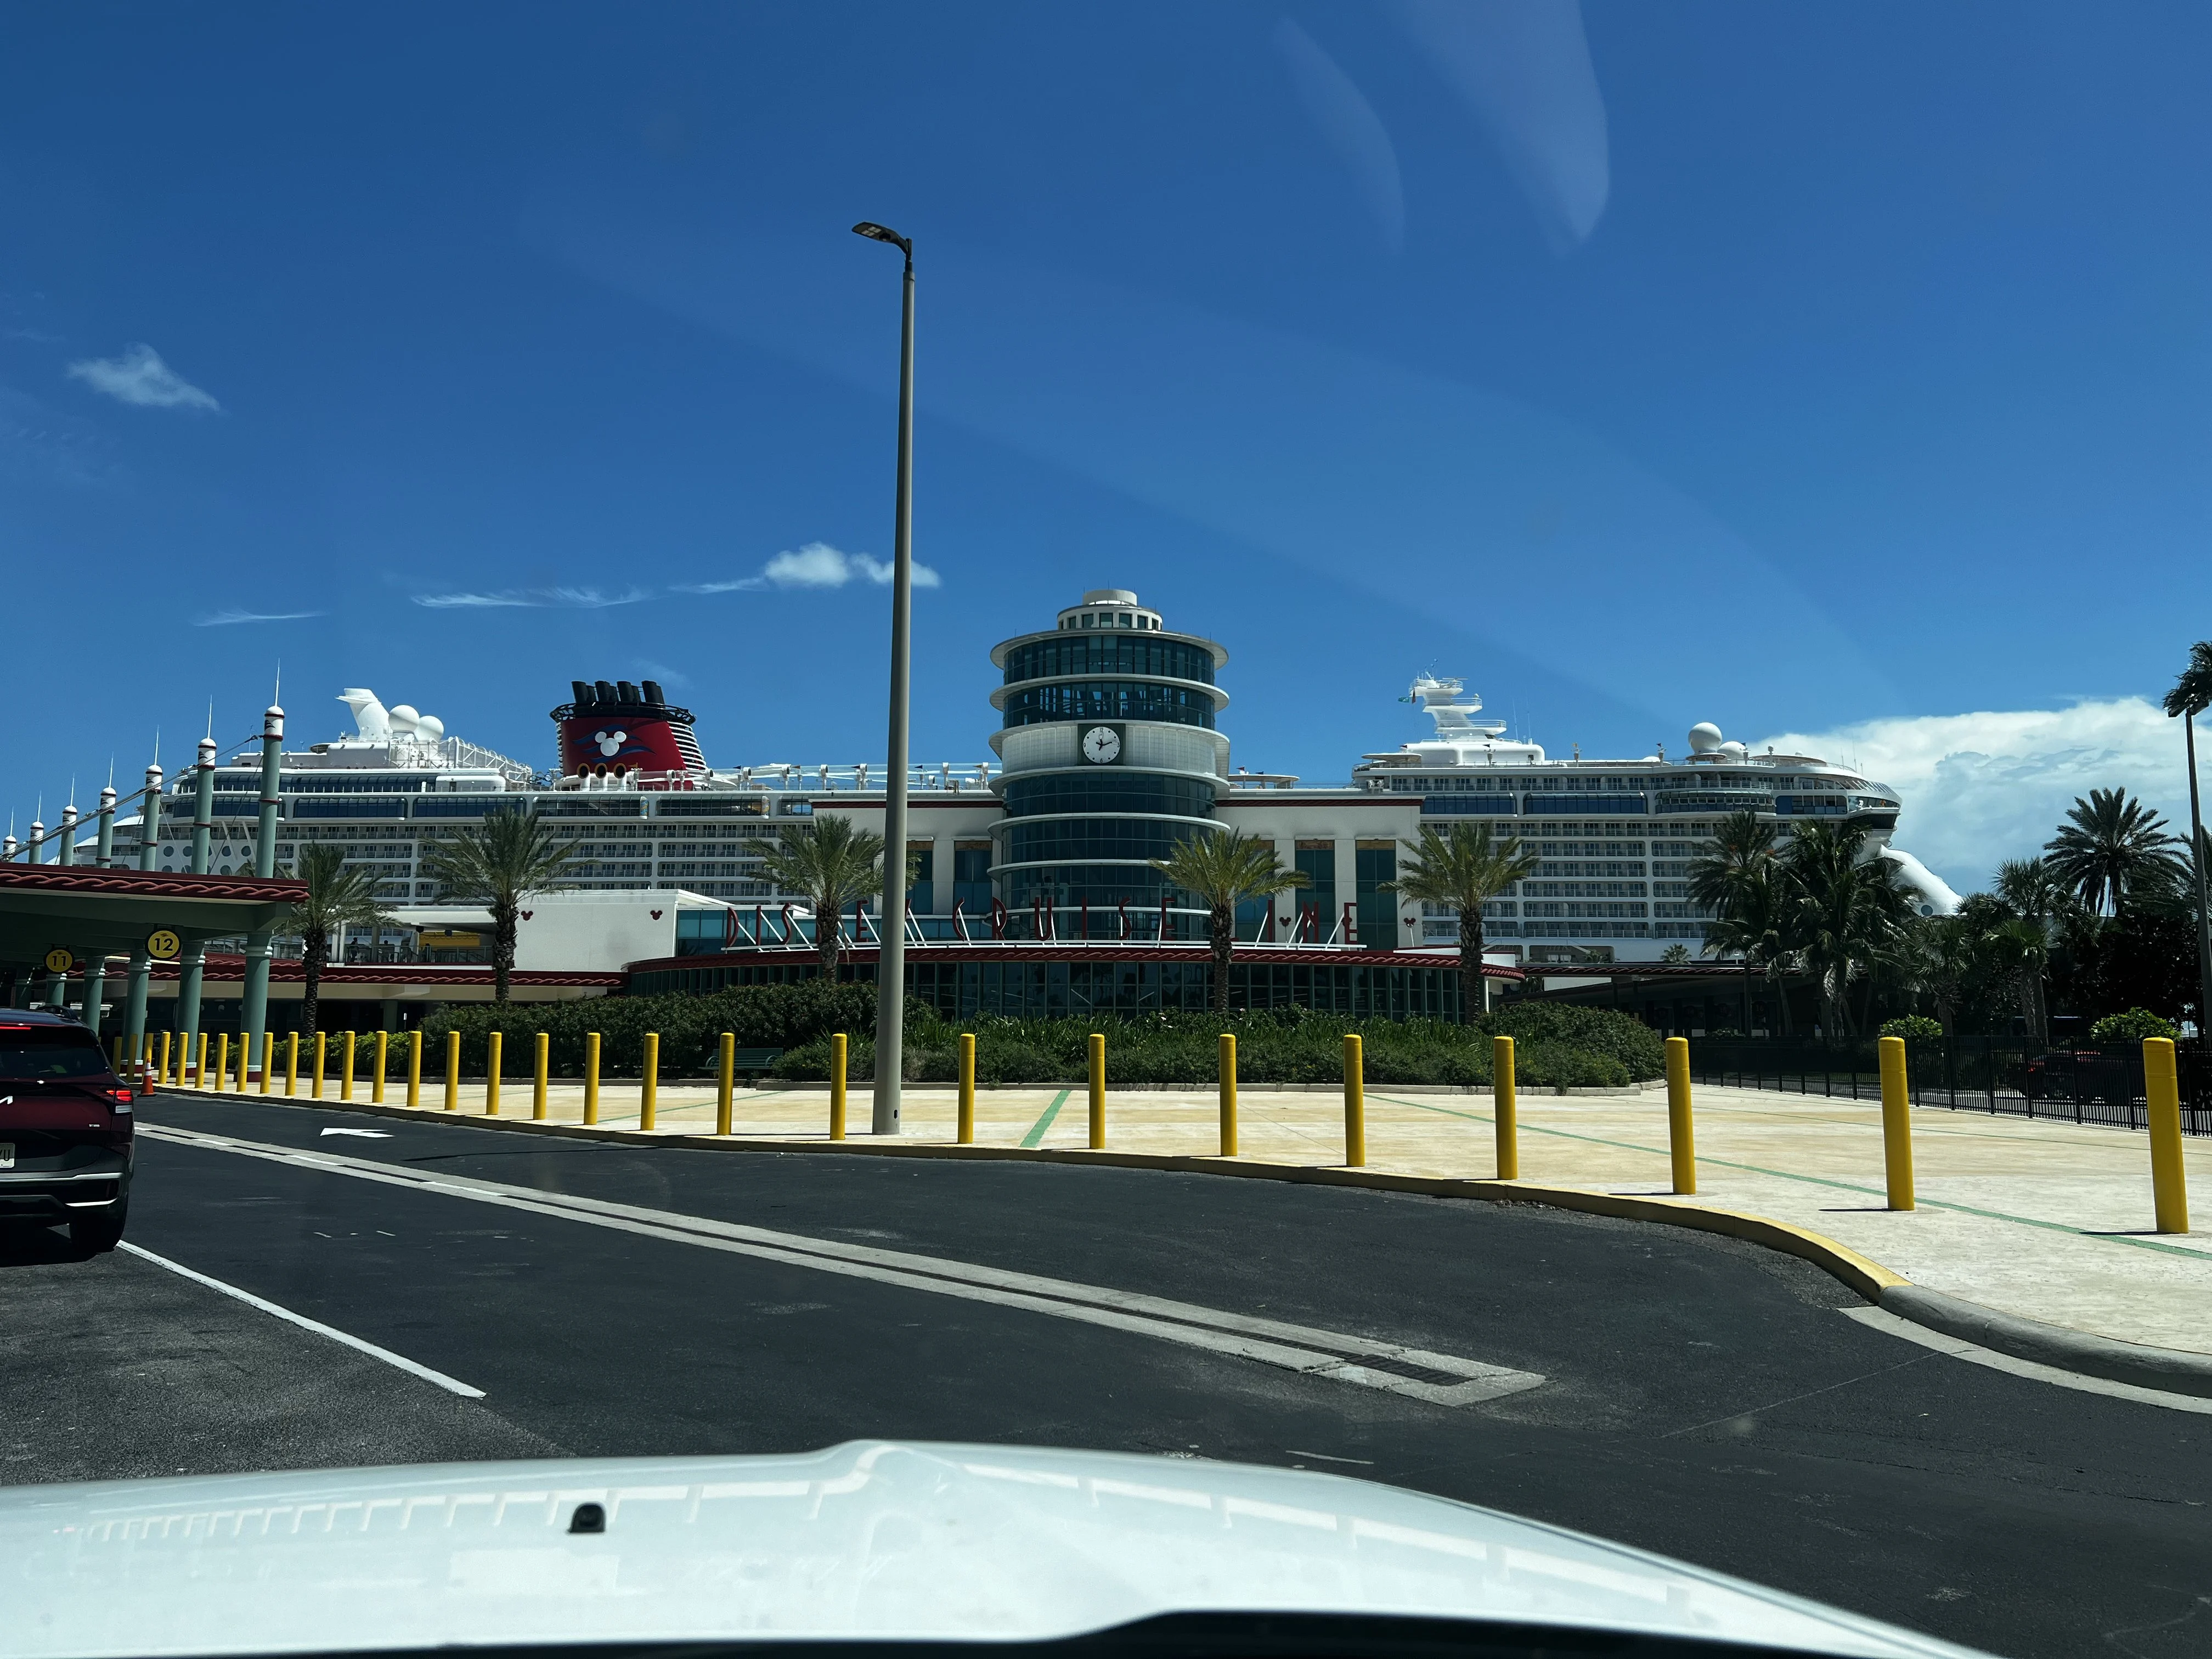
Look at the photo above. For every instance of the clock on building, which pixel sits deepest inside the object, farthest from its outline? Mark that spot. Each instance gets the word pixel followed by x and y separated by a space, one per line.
pixel 1102 744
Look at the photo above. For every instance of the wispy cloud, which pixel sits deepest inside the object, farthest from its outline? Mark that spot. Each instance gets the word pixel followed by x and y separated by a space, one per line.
pixel 817 564
pixel 572 599
pixel 227 618
pixel 1523 68
pixel 1982 787
pixel 1341 113
pixel 139 376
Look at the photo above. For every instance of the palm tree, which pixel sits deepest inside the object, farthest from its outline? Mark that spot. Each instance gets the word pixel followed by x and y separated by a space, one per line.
pixel 1221 869
pixel 1948 959
pixel 337 897
pixel 1851 912
pixel 1465 868
pixel 2191 696
pixel 2109 846
pixel 834 863
pixel 1759 924
pixel 2033 902
pixel 1743 852
pixel 509 856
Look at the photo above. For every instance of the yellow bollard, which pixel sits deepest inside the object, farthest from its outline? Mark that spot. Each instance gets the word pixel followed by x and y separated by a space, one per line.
pixel 383 1059
pixel 590 1077
pixel 1896 1124
pixel 1355 1100
pixel 1505 1108
pixel 495 1045
pixel 1681 1146
pixel 1224 1048
pixel 725 1096
pixel 837 1087
pixel 452 1070
pixel 2169 1178
pixel 345 1062
pixel 648 1085
pixel 540 1068
pixel 965 1125
pixel 222 1060
pixel 199 1062
pixel 268 1057
pixel 413 1068
pixel 322 1064
pixel 291 1062
pixel 161 1075
pixel 1098 1091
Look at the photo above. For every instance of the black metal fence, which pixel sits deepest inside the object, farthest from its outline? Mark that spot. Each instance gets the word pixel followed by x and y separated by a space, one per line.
pixel 1994 1074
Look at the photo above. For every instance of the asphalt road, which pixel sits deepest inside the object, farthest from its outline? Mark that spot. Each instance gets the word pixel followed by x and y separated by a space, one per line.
pixel 1703 1398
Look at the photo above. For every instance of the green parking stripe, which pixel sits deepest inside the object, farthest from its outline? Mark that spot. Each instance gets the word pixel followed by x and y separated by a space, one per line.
pixel 1822 1180
pixel 1035 1136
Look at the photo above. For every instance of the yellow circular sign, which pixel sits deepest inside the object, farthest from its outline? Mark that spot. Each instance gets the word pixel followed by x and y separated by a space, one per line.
pixel 59 960
pixel 162 944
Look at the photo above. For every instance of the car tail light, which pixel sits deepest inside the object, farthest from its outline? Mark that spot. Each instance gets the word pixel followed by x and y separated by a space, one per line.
pixel 120 1097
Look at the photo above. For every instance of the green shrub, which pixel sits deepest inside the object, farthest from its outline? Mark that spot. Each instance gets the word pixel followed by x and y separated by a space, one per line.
pixel 2133 1026
pixel 1638 1050
pixel 691 1027
pixel 1913 1028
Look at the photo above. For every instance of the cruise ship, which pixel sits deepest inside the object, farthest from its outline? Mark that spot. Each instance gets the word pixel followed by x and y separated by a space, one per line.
pixel 1035 888
pixel 1616 837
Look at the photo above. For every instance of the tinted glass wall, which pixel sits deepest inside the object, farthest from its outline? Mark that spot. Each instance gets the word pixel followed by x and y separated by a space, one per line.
pixel 1089 653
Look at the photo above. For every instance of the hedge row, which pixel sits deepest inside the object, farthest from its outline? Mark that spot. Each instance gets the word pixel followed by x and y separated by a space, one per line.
pixel 1556 1046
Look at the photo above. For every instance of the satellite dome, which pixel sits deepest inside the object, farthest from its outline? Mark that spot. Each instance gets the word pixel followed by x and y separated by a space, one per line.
pixel 1734 751
pixel 1704 737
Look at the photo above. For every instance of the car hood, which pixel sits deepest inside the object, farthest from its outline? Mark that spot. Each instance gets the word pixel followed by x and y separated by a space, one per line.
pixel 871 1540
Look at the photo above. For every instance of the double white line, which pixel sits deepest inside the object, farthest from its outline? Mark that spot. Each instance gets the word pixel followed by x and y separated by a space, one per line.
pixel 1440 1379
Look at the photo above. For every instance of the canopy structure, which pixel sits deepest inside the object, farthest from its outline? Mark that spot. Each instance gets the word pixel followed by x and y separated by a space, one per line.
pixel 94 913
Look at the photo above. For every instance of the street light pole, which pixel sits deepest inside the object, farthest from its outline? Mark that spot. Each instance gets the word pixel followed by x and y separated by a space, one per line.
pixel 890 957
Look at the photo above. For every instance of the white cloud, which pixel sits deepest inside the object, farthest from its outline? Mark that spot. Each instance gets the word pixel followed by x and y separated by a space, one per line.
pixel 573 598
pixel 1980 788
pixel 139 376
pixel 226 618
pixel 817 564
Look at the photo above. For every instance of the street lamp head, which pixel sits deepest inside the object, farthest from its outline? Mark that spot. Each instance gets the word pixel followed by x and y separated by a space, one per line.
pixel 878 233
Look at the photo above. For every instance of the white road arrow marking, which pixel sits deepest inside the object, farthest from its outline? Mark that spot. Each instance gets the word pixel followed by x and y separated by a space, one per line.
pixel 365 1134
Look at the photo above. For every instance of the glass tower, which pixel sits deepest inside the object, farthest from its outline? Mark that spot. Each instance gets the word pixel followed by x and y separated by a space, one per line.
pixel 1110 759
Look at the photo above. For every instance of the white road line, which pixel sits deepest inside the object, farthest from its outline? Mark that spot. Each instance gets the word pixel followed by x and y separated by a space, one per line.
pixel 1453 1381
pixel 1973 1353
pixel 452 1385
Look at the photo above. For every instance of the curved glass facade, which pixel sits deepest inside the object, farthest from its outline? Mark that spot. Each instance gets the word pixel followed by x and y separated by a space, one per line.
pixel 1101 889
pixel 1081 829
pixel 1109 700
pixel 1148 654
pixel 1108 789
pixel 1058 841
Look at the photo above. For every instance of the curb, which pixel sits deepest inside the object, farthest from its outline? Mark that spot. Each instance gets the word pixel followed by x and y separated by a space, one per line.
pixel 2171 1370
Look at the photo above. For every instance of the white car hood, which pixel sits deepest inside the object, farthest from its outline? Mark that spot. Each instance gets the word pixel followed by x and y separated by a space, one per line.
pixel 869 1540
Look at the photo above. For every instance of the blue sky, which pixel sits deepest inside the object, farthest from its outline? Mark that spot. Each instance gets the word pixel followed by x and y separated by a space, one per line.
pixel 1840 373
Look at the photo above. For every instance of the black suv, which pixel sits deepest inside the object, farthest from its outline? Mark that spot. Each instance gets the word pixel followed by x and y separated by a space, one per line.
pixel 65 1129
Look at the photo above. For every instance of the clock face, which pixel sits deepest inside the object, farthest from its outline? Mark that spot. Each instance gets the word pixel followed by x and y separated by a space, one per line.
pixel 1101 745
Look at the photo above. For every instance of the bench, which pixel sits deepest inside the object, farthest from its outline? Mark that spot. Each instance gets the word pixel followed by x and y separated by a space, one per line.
pixel 754 1062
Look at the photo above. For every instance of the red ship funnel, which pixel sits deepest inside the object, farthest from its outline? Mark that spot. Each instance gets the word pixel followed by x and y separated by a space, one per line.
pixel 614 731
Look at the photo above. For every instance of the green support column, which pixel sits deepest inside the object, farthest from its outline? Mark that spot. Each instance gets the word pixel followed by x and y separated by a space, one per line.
pixel 192 969
pixel 95 977
pixel 254 1009
pixel 142 965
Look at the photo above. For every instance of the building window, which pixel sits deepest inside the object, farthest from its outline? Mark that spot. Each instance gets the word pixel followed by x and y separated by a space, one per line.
pixel 1376 863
